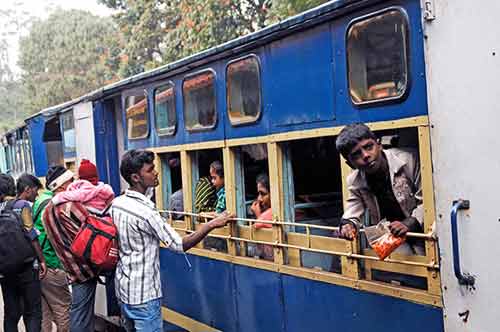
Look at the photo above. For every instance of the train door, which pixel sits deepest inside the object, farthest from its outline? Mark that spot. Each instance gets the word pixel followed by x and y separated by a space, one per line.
pixel 107 142
pixel 463 67
pixel 84 131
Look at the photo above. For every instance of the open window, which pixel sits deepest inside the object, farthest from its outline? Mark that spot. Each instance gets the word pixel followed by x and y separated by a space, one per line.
pixel 377 57
pixel 315 192
pixel 164 109
pixel 136 115
pixel 209 192
pixel 198 93
pixel 243 90
pixel 171 188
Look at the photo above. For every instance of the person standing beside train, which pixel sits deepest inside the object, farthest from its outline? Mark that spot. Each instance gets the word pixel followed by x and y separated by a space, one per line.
pixel 141 229
pixel 56 296
pixel 21 287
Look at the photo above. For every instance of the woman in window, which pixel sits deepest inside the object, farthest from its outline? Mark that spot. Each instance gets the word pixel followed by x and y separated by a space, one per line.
pixel 261 208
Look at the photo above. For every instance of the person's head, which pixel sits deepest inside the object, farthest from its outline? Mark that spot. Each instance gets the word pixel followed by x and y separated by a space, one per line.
pixel 138 169
pixel 360 148
pixel 58 178
pixel 28 186
pixel 263 193
pixel 88 171
pixel 7 186
pixel 217 174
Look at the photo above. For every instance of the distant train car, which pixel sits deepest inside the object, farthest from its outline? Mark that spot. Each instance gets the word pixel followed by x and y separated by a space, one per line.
pixel 273 102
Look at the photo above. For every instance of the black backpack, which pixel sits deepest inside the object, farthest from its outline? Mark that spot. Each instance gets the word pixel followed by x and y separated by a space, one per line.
pixel 15 246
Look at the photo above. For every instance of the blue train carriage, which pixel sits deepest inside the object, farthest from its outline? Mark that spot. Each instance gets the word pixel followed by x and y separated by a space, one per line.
pixel 15 152
pixel 273 102
pixel 62 135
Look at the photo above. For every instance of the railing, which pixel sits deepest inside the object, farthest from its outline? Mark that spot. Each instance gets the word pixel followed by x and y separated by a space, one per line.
pixel 309 239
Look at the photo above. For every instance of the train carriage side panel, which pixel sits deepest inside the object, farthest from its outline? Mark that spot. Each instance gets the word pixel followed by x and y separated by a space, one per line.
pixel 36 127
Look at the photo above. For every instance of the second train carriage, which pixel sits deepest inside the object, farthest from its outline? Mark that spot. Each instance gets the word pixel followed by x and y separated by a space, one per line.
pixel 274 102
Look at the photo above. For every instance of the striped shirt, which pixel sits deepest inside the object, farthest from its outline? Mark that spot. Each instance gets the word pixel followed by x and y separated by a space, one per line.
pixel 140 231
pixel 62 222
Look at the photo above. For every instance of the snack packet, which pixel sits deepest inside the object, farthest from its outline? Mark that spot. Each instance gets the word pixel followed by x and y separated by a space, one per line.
pixel 381 239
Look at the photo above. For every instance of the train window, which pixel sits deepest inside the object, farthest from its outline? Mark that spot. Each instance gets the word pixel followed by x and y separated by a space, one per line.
pixel 172 184
pixel 209 193
pixel 68 130
pixel 199 101
pixel 314 200
pixel 243 90
pixel 165 116
pixel 377 57
pixel 137 116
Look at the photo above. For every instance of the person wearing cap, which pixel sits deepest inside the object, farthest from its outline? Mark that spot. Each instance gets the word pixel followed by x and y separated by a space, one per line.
pixel 56 296
pixel 88 171
pixel 62 222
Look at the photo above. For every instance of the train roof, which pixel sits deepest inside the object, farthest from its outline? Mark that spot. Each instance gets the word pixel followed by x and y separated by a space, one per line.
pixel 308 18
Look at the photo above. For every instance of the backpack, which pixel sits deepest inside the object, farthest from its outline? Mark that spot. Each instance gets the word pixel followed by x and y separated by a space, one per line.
pixel 97 242
pixel 15 246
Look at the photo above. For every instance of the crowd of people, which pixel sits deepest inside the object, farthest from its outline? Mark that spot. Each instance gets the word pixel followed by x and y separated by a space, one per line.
pixel 53 285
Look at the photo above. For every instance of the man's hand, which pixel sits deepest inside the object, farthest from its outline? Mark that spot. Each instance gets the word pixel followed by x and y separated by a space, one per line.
pixel 42 272
pixel 398 228
pixel 348 232
pixel 222 219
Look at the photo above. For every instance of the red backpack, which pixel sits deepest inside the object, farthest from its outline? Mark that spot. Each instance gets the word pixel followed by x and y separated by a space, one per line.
pixel 97 242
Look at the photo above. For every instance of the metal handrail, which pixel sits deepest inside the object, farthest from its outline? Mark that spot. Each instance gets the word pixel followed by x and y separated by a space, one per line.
pixel 427 236
pixel 431 265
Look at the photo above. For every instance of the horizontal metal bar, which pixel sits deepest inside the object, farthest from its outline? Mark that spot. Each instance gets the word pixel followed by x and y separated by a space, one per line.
pixel 319 251
pixel 427 236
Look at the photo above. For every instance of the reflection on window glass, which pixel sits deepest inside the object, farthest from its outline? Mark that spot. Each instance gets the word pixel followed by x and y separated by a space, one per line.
pixel 137 116
pixel 376 54
pixel 165 110
pixel 243 91
pixel 68 129
pixel 199 101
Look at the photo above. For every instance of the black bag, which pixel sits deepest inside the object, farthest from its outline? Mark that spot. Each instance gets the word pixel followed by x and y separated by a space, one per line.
pixel 15 246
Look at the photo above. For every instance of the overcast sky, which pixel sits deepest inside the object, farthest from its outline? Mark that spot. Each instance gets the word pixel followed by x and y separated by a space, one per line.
pixel 40 8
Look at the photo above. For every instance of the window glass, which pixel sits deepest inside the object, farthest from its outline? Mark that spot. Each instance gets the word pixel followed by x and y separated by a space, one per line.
pixel 377 58
pixel 137 116
pixel 165 110
pixel 199 101
pixel 243 91
pixel 68 128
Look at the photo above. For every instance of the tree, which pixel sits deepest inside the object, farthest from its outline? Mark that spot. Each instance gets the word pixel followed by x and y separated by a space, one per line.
pixel 14 21
pixel 286 8
pixel 69 54
pixel 161 31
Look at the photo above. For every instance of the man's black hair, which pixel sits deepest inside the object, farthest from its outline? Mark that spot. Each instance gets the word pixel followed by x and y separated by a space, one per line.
pixel 132 162
pixel 218 168
pixel 53 173
pixel 350 136
pixel 27 181
pixel 7 185
pixel 263 179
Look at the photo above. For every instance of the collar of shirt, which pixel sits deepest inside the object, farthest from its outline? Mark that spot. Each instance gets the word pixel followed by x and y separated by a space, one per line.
pixel 221 191
pixel 137 195
pixel 395 165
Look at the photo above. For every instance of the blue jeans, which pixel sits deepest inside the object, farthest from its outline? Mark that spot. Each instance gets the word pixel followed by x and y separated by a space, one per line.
pixel 82 306
pixel 144 317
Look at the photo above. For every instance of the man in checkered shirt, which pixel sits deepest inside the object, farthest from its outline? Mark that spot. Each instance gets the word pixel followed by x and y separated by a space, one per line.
pixel 141 229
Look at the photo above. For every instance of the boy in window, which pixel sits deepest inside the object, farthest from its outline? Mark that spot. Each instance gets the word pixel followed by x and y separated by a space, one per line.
pixel 386 182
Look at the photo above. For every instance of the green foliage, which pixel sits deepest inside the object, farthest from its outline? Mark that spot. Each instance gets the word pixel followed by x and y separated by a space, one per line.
pixel 67 55
pixel 286 8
